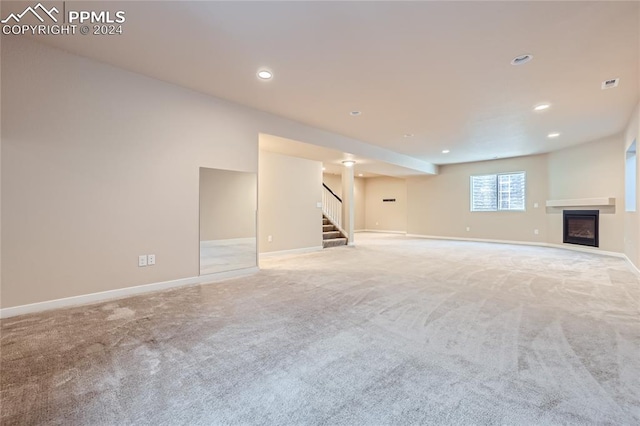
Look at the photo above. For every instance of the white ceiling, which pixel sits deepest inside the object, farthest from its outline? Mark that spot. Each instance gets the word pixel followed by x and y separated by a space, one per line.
pixel 438 70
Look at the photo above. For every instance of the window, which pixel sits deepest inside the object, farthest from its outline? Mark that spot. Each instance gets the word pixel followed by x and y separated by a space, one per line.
pixel 499 192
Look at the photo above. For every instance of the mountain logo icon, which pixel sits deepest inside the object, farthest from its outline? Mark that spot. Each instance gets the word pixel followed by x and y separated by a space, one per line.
pixel 34 11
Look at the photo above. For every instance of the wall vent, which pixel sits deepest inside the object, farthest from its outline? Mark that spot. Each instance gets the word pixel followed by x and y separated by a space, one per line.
pixel 610 84
pixel 522 59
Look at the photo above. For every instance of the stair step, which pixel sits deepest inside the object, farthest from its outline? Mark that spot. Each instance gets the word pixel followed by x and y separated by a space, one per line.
pixel 334 242
pixel 327 228
pixel 325 221
pixel 331 235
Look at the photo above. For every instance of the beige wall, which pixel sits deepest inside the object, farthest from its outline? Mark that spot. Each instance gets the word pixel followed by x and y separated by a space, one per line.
pixel 389 216
pixel 632 219
pixel 594 169
pixel 289 189
pixel 100 165
pixel 440 205
pixel 334 182
pixel 228 204
pixel 359 194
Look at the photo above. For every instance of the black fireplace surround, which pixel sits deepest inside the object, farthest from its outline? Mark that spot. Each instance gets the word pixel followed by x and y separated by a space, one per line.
pixel 580 227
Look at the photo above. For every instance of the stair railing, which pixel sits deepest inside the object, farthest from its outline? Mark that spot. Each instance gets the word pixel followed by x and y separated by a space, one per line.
pixel 331 206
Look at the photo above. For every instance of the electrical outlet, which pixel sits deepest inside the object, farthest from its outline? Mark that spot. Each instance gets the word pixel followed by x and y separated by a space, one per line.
pixel 142 260
pixel 151 259
pixel 535 231
pixel 535 205
pixel 270 238
pixel 319 204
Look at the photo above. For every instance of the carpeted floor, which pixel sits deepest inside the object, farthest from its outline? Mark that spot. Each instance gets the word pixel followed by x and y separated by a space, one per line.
pixel 393 331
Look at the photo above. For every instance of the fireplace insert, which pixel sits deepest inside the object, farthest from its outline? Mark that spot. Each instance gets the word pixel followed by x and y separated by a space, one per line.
pixel 581 227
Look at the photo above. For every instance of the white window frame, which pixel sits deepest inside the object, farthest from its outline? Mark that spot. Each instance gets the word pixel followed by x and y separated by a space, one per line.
pixel 497 193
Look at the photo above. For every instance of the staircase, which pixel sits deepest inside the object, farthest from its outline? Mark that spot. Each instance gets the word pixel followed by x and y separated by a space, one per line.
pixel 331 236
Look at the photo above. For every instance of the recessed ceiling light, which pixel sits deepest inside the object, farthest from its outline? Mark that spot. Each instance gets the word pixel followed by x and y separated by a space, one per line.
pixel 541 107
pixel 553 135
pixel 355 113
pixel 445 151
pixel 360 174
pixel 349 163
pixel 408 135
pixel 265 74
pixel 522 59
pixel 324 168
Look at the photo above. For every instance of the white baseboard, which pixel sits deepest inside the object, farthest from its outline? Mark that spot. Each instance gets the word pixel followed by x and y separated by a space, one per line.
pixel 524 243
pixel 288 252
pixel 587 250
pixel 382 231
pixel 633 265
pixel 120 293
pixel 229 242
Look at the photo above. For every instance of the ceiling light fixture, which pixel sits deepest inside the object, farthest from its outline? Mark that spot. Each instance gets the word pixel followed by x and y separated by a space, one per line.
pixel 541 107
pixel 522 59
pixel 408 135
pixel 324 168
pixel 265 74
pixel 355 113
pixel 445 151
pixel 360 174
pixel 348 163
pixel 553 135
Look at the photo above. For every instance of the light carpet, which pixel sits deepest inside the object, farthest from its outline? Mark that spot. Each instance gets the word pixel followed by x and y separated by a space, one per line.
pixel 393 331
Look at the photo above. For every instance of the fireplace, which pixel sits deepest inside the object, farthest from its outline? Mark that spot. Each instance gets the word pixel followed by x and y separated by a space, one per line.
pixel 581 227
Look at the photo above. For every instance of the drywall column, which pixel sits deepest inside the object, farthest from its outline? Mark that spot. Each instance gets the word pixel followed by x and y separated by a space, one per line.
pixel 348 203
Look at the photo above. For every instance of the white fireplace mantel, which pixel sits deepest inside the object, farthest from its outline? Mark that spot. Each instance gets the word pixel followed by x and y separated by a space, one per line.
pixel 583 202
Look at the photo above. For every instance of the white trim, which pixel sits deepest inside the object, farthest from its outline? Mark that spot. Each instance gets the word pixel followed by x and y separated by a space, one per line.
pixel 524 243
pixel 583 202
pixel 633 266
pixel 229 242
pixel 288 252
pixel 382 231
pixel 120 293
pixel 587 250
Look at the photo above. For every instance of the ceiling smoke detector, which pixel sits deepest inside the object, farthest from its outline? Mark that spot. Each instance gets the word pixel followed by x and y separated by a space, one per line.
pixel 522 59
pixel 610 84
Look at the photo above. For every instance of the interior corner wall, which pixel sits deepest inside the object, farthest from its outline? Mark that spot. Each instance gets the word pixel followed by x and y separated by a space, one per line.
pixel 440 205
pixel 590 170
pixel 632 219
pixel 289 189
pixel 381 215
